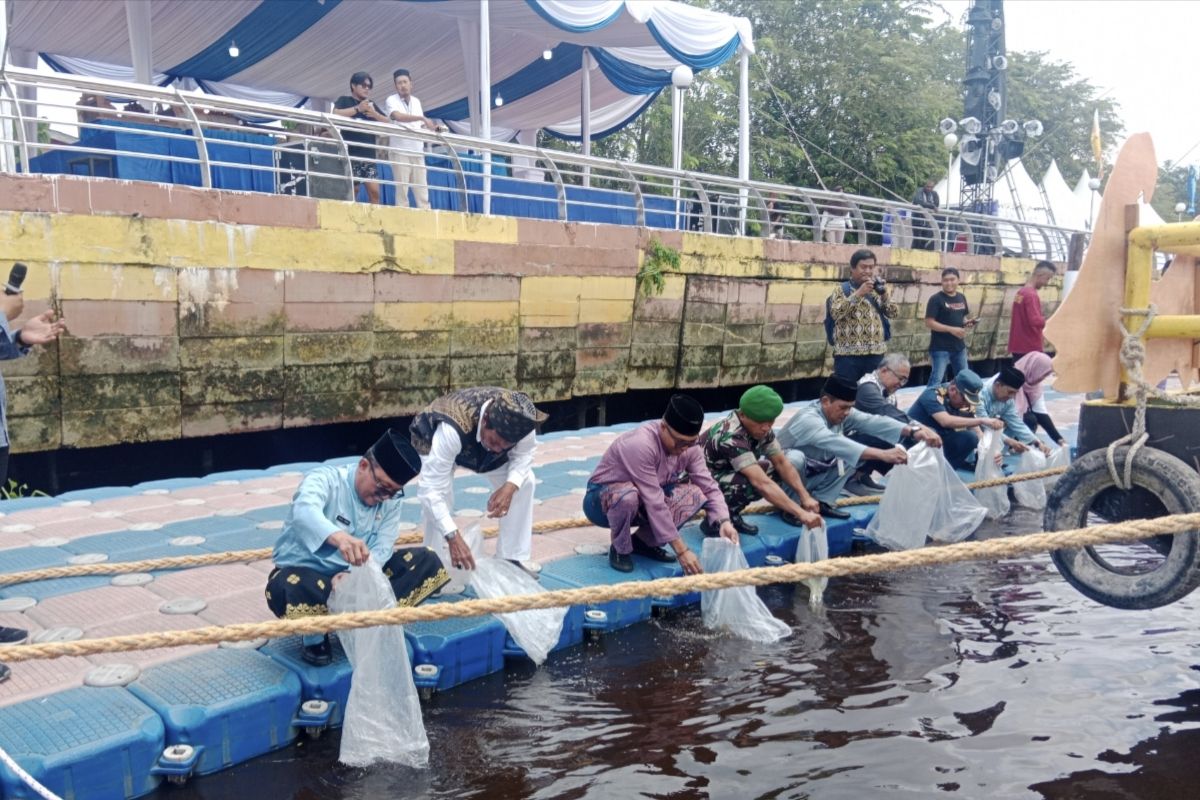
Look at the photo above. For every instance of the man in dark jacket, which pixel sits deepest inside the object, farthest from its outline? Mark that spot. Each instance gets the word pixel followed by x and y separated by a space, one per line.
pixel 877 395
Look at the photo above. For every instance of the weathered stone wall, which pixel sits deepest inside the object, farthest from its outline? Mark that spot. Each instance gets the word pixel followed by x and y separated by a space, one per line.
pixel 194 312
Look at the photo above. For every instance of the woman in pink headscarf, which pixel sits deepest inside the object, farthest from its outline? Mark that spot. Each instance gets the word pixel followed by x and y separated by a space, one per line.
pixel 1031 404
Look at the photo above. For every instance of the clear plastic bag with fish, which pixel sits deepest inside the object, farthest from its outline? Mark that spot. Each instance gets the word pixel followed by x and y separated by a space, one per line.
pixel 738 610
pixel 1060 457
pixel 813 545
pixel 537 631
pixel 1030 494
pixel 924 498
pixel 995 498
pixel 383 715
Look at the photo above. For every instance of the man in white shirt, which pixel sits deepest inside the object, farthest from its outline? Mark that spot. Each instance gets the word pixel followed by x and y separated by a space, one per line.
pixel 491 431
pixel 408 154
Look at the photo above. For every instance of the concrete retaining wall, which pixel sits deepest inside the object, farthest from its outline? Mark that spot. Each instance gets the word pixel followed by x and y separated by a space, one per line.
pixel 196 312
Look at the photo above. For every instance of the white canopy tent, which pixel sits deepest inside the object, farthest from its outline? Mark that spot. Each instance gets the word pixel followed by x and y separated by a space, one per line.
pixel 479 64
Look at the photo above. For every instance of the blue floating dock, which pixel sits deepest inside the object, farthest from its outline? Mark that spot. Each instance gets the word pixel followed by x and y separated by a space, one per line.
pixel 578 572
pixel 330 683
pixel 461 649
pixel 98 744
pixel 231 705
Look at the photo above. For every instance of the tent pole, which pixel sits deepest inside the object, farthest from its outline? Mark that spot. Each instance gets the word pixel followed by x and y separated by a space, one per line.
pixel 485 106
pixel 743 134
pixel 141 52
pixel 676 149
pixel 585 113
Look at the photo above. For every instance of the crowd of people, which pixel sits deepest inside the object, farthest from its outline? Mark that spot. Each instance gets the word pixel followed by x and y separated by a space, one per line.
pixel 654 478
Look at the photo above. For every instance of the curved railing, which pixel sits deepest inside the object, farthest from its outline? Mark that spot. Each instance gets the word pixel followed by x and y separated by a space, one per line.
pixel 203 140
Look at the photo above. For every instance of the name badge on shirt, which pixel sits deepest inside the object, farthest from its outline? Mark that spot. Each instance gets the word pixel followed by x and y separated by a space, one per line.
pixel 341 519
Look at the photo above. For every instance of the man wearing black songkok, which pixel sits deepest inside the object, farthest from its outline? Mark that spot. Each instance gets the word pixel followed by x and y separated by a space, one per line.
pixel 817 443
pixel 491 431
pixel 341 517
pixel 998 400
pixel 654 477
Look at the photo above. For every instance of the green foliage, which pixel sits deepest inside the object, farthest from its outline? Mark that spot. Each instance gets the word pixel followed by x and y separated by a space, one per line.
pixel 14 490
pixel 857 87
pixel 1171 189
pixel 659 259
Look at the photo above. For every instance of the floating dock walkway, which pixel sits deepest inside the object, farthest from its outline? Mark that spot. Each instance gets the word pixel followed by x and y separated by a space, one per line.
pixel 117 725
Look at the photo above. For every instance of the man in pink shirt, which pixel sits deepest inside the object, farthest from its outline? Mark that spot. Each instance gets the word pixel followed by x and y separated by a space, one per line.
pixel 1025 335
pixel 654 476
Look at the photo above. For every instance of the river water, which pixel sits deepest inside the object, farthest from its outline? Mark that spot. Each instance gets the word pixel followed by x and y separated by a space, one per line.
pixel 970 680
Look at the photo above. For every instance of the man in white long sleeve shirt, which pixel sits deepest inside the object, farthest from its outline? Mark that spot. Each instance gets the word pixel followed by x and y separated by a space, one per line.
pixel 342 517
pixel 408 154
pixel 491 431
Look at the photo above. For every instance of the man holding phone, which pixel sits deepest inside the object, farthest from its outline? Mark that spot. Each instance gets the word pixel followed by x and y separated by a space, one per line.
pixel 947 318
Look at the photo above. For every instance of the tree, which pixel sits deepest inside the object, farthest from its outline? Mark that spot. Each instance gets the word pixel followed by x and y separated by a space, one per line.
pixel 849 92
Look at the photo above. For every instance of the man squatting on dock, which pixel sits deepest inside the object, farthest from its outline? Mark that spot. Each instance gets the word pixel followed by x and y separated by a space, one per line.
pixel 341 517
pixel 655 477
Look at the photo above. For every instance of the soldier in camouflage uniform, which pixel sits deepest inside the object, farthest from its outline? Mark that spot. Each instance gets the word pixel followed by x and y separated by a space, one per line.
pixel 746 460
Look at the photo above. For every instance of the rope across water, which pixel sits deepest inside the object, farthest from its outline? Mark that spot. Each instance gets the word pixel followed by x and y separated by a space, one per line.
pixel 241 556
pixel 991 549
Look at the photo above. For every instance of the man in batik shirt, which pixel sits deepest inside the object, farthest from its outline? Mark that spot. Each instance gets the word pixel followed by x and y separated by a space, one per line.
pixel 745 459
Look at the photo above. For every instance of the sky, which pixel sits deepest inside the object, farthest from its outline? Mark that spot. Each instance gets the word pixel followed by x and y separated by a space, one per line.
pixel 1138 52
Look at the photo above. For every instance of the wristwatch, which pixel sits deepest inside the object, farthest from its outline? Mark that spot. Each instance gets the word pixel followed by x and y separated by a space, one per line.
pixel 450 535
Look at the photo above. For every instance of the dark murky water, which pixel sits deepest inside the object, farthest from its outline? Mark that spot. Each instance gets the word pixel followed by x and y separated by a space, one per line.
pixel 977 681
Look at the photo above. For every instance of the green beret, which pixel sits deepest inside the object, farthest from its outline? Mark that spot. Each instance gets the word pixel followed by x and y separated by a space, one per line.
pixel 761 403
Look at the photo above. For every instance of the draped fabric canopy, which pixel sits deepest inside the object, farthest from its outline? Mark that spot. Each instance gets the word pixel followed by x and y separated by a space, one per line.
pixel 292 49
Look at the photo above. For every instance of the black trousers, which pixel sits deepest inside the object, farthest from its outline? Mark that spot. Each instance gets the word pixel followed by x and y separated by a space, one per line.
pixel 414 572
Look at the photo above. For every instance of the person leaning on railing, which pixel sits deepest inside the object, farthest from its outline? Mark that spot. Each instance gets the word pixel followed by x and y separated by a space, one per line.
pixel 358 105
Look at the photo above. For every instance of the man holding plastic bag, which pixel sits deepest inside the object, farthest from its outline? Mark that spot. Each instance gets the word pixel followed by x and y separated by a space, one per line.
pixel 654 477
pixel 998 401
pixel 819 448
pixel 491 431
pixel 745 460
pixel 948 409
pixel 343 517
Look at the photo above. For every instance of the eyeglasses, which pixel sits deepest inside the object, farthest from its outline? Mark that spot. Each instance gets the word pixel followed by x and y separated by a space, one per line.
pixel 681 443
pixel 380 489
pixel 902 378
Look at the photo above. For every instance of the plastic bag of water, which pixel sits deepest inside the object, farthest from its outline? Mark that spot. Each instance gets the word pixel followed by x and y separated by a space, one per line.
pixel 537 631
pixel 383 715
pixel 739 609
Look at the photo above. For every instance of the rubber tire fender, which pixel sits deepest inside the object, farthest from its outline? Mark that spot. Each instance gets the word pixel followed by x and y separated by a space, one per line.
pixel 1175 484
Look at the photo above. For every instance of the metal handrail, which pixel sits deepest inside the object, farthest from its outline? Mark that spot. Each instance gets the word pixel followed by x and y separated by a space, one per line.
pixel 751 208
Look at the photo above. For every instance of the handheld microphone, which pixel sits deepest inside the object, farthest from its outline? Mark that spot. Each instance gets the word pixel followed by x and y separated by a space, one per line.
pixel 15 279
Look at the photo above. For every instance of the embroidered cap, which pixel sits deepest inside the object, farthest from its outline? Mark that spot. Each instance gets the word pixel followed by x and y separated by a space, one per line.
pixel 513 415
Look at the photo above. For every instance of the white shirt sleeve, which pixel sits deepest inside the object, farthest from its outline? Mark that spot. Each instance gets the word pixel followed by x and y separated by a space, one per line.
pixel 437 478
pixel 1039 407
pixel 520 460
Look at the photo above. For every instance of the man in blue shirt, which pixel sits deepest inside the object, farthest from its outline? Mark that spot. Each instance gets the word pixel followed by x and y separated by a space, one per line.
pixel 949 410
pixel 341 517
pixel 817 442
pixel 997 401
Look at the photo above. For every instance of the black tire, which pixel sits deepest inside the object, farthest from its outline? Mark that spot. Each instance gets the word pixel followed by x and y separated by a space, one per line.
pixel 1162 485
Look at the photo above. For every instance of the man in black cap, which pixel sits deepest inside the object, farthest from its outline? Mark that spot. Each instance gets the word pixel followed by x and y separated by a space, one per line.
pixel 998 400
pixel 655 477
pixel 491 431
pixel 342 517
pixel 818 444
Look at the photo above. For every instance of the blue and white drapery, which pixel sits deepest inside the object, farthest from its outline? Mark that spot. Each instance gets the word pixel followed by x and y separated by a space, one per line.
pixel 293 49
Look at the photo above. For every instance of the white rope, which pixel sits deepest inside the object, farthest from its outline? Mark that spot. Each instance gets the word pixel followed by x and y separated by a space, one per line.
pixel 1133 356
pixel 29 780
